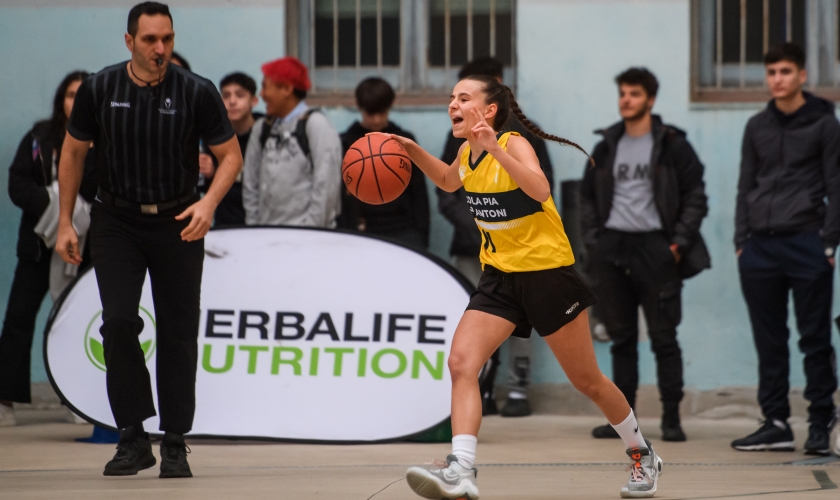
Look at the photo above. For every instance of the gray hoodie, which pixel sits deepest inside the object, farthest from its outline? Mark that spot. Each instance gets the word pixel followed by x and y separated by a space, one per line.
pixel 282 186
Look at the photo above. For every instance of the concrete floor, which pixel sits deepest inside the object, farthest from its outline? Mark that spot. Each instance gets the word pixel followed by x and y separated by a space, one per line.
pixel 533 458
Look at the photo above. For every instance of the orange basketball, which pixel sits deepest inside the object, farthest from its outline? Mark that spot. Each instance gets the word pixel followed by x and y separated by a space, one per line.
pixel 376 169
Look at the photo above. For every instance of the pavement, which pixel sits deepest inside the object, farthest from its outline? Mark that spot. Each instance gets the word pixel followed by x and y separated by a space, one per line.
pixel 539 457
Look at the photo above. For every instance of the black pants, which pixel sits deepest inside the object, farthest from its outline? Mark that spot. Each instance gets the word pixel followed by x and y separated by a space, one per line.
pixel 125 245
pixel 633 269
pixel 770 267
pixel 29 286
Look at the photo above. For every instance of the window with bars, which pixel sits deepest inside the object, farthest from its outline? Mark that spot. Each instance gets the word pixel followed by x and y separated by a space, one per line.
pixel 416 45
pixel 730 37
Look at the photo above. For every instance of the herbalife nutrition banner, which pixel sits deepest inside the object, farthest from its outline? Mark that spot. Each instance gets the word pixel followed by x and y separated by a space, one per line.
pixel 305 334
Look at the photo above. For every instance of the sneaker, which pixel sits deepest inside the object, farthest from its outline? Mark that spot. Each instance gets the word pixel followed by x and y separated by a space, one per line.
pixel 7 416
pixel 605 432
pixel 671 428
pixel 644 473
pixel 835 437
pixel 173 457
pixel 134 453
pixel 444 481
pixel 774 435
pixel 818 440
pixel 516 407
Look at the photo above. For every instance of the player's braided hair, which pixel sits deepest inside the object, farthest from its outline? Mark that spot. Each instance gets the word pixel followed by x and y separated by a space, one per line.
pixel 502 97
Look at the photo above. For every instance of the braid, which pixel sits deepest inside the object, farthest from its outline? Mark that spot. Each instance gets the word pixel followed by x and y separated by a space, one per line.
pixel 514 107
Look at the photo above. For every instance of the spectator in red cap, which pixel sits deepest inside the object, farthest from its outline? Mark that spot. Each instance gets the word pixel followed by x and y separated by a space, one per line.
pixel 292 170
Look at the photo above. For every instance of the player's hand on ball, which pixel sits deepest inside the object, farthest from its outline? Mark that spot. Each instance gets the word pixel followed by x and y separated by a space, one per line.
pixel 482 132
pixel 406 142
pixel 201 213
pixel 67 244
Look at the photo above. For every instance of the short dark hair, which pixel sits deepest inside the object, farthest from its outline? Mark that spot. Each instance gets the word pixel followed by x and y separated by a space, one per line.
pixel 148 9
pixel 300 94
pixel 486 66
pixel 241 79
pixel 639 76
pixel 374 95
pixel 785 52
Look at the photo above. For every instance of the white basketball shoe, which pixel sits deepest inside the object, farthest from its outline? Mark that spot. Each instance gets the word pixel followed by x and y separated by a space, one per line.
pixel 444 481
pixel 644 473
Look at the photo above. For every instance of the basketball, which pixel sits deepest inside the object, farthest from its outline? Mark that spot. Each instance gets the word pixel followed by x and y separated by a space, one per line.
pixel 376 169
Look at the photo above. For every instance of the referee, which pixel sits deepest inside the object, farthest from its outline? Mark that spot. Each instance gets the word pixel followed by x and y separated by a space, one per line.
pixel 145 117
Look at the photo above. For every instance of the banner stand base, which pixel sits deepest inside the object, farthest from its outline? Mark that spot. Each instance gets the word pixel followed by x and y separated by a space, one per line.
pixel 441 433
pixel 101 436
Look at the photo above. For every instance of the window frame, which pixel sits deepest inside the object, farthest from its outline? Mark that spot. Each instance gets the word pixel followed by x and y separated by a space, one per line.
pixel 416 75
pixel 821 38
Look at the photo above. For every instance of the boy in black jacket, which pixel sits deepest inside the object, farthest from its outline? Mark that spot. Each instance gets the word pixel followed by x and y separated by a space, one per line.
pixel 785 238
pixel 405 219
pixel 641 209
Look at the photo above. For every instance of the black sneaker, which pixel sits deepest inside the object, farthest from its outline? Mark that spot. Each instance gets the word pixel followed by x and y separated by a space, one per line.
pixel 605 432
pixel 134 453
pixel 818 442
pixel 518 407
pixel 774 435
pixel 671 428
pixel 173 457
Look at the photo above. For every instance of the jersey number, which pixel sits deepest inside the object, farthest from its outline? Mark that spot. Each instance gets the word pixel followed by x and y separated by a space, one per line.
pixel 488 242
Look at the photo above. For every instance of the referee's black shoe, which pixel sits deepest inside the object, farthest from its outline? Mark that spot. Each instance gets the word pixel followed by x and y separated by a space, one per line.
pixel 134 453
pixel 173 457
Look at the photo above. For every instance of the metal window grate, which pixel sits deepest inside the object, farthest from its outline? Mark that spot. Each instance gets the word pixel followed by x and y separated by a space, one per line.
pixel 730 38
pixel 416 45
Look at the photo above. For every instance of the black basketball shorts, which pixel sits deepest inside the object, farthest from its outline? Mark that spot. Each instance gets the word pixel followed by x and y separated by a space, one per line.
pixel 545 300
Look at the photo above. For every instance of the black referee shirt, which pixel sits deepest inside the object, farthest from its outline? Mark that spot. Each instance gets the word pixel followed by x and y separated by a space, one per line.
pixel 147 138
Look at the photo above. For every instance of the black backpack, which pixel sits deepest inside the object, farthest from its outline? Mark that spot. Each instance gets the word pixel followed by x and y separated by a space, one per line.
pixel 299 132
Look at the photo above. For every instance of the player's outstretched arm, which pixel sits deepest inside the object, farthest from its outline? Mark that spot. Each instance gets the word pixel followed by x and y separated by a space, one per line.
pixel 444 176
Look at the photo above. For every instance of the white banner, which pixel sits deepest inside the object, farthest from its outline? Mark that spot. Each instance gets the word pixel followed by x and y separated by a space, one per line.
pixel 305 334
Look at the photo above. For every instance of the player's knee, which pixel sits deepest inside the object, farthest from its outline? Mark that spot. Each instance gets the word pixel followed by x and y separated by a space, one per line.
pixel 460 367
pixel 591 386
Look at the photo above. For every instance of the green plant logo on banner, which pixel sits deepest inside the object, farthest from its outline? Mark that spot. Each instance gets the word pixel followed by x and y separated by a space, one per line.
pixel 93 339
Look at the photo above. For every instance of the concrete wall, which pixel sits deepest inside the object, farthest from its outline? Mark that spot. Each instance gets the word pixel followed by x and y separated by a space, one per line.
pixel 568 50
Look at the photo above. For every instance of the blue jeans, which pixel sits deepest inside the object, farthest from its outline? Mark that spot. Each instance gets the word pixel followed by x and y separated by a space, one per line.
pixel 770 267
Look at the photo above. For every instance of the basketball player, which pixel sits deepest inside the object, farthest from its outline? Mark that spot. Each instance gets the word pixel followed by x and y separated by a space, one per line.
pixel 527 281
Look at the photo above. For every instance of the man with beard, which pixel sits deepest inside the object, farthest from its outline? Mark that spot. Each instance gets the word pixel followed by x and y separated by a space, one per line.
pixel 641 209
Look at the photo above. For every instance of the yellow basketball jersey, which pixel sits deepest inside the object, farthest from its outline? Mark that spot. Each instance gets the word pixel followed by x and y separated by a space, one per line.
pixel 518 232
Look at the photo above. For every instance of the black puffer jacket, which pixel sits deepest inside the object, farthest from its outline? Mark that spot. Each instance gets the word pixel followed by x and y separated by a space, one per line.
pixel 29 174
pixel 789 166
pixel 678 190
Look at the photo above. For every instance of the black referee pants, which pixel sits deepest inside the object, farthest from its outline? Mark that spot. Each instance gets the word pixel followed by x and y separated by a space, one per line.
pixel 633 269
pixel 125 245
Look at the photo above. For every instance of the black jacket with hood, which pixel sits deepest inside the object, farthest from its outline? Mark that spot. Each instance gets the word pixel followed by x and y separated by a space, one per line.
pixel 29 175
pixel 678 191
pixel 789 166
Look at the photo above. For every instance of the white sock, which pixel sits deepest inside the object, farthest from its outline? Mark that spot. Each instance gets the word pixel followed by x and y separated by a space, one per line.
pixel 463 447
pixel 630 433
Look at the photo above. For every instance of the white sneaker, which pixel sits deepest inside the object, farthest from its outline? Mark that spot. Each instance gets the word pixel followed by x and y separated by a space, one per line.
pixel 7 416
pixel 834 440
pixel 644 473
pixel 444 481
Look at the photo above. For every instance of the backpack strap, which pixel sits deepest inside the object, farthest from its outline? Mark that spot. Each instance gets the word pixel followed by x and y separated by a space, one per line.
pixel 300 131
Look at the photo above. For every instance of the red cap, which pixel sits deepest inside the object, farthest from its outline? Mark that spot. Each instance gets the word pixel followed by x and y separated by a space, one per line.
pixel 289 70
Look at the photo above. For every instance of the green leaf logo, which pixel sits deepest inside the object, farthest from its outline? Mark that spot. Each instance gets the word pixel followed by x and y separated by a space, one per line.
pixel 97 351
